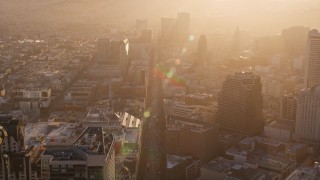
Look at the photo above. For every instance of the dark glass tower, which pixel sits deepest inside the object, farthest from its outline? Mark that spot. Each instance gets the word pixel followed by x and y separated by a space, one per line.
pixel 240 104
pixel 202 51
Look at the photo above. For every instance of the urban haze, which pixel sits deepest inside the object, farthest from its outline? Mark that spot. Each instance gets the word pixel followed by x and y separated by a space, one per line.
pixel 159 89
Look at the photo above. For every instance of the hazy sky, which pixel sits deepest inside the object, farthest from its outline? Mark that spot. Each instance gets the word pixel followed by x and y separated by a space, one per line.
pixel 259 16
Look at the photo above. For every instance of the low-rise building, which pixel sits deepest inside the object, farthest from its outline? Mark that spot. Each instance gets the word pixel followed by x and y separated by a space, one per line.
pixel 279 130
pixel 305 173
pixel 296 152
pixel 92 156
pixel 192 138
pixel 222 169
pixel 182 167
pixel 179 109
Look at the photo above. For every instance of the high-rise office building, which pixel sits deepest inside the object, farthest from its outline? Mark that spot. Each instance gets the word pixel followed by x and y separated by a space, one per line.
pixel 168 29
pixel 16 161
pixel 240 41
pixel 236 41
pixel 112 52
pixel 202 52
pixel 295 40
pixel 202 44
pixel 183 26
pixel 307 127
pixel 111 60
pixel 288 107
pixel 240 104
pixel 312 66
pixel 92 156
pixel 175 30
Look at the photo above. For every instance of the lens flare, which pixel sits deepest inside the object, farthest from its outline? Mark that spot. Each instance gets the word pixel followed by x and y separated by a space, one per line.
pixel 191 38
pixel 146 114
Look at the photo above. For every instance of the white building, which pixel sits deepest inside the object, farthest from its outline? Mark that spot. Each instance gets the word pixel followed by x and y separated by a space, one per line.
pixel 36 93
pixel 312 68
pixel 308 116
pixel 32 99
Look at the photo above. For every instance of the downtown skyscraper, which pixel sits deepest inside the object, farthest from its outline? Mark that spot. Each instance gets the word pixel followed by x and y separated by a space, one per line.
pixel 240 104
pixel 307 128
pixel 312 66
pixel 175 30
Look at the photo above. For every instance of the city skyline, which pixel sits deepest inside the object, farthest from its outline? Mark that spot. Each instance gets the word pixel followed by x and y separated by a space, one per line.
pixel 160 90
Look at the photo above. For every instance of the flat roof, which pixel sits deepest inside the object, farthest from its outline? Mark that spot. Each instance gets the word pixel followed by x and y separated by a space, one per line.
pixel 221 164
pixel 64 154
pixel 303 174
pixel 173 160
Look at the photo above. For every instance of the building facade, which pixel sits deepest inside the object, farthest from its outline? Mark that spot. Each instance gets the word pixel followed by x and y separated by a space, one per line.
pixel 288 109
pixel 175 29
pixel 192 138
pixel 307 127
pixel 92 156
pixel 240 104
pixel 16 162
pixel 312 66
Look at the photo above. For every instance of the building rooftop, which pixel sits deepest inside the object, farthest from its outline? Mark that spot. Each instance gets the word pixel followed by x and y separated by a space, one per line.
pixel 244 75
pixel 173 160
pixel 92 141
pixel 274 163
pixel 314 32
pixel 64 154
pixel 296 147
pixel 304 174
pixel 290 95
pixel 102 113
pixel 223 165
pixel 176 122
pixel 263 140
pixel 129 121
pixel 244 173
pixel 201 96
pixel 281 125
pixel 315 90
pixel 132 135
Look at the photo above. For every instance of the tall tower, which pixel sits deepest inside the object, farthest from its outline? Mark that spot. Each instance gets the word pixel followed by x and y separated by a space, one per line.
pixel 312 66
pixel 183 26
pixel 175 31
pixel 111 52
pixel 167 29
pixel 102 49
pixel 240 104
pixel 307 128
pixel 236 41
pixel 202 53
